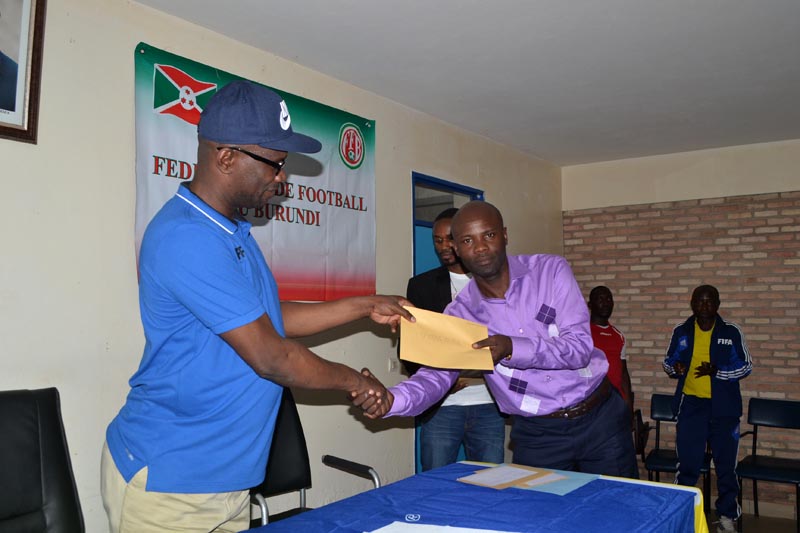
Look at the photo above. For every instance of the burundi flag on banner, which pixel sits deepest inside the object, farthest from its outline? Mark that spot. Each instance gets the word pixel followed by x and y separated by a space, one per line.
pixel 177 93
pixel 318 232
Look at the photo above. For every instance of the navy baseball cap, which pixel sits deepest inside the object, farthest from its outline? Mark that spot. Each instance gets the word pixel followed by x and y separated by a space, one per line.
pixel 243 112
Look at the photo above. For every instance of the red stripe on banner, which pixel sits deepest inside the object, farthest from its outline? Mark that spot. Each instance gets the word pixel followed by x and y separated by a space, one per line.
pixel 313 289
pixel 181 79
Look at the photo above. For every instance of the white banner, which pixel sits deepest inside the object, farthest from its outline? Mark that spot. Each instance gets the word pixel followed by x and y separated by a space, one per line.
pixel 318 233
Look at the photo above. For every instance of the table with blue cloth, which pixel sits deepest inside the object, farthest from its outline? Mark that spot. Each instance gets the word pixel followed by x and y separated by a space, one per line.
pixel 436 497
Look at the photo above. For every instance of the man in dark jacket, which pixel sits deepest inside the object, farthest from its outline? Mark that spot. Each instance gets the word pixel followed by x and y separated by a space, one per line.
pixel 709 356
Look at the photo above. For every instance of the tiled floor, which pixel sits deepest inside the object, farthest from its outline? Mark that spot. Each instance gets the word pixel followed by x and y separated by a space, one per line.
pixel 762 524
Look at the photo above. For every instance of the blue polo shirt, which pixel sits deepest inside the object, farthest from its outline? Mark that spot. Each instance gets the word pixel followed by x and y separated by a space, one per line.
pixel 197 415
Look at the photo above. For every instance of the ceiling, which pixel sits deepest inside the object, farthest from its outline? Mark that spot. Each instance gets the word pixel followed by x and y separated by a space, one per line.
pixel 569 81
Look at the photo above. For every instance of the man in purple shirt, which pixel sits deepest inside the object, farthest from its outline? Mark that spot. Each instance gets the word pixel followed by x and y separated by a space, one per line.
pixel 547 373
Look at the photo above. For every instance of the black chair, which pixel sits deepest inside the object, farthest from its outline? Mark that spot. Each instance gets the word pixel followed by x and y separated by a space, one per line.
pixel 288 467
pixel 641 433
pixel 666 459
pixel 37 486
pixel 775 414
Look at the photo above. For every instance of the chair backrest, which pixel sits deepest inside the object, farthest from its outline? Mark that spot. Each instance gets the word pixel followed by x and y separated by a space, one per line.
pixel 661 408
pixel 774 413
pixel 37 486
pixel 661 411
pixel 288 468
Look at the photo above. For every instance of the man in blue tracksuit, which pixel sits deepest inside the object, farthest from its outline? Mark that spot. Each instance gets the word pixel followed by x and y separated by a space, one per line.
pixel 709 356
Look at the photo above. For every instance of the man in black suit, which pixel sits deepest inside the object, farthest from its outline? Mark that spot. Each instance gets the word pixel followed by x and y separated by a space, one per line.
pixel 468 415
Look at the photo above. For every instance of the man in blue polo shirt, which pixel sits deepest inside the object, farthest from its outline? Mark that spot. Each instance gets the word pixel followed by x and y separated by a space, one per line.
pixel 195 430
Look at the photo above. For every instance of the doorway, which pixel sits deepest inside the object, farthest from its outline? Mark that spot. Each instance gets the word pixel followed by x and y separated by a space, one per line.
pixel 431 197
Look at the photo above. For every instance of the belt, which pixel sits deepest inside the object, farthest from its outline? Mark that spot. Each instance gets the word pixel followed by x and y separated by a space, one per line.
pixel 600 394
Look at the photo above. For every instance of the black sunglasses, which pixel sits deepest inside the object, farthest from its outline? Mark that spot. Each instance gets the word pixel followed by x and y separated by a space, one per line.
pixel 277 165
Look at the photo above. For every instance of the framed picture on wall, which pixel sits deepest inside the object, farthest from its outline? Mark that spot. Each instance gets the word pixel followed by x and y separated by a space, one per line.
pixel 21 45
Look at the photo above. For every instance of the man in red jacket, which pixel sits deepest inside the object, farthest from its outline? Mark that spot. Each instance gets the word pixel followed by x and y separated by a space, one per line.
pixel 611 341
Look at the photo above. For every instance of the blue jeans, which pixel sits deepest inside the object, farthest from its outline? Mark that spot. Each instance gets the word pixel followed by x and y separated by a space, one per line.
pixel 481 428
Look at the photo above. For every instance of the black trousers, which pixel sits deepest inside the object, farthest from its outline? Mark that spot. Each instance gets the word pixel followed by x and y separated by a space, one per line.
pixel 599 442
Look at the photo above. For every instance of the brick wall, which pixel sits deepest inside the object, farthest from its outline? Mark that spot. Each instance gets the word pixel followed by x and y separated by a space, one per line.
pixel 652 256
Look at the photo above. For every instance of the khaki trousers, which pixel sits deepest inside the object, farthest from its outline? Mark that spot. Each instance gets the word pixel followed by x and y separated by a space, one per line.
pixel 132 509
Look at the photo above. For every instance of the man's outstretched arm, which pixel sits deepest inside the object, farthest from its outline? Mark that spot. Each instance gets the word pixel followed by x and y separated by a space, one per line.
pixel 301 319
pixel 291 364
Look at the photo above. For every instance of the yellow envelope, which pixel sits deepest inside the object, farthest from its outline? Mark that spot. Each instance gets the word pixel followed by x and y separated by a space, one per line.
pixel 443 341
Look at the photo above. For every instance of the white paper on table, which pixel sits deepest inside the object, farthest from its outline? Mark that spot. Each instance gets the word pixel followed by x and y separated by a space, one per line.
pixel 404 527
pixel 498 476
pixel 547 478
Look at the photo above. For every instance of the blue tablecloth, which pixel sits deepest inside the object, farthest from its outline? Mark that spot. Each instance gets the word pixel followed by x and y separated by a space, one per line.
pixel 435 497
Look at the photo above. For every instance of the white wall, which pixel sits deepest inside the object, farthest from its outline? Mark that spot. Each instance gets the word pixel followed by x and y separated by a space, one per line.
pixel 733 171
pixel 68 293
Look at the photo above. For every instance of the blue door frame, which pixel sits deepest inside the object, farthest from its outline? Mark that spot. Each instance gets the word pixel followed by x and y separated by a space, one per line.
pixel 425 257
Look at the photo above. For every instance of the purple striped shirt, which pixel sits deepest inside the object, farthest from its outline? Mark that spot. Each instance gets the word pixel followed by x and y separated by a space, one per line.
pixel 554 363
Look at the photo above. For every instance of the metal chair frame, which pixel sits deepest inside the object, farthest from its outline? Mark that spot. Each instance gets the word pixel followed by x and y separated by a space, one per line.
pixel 288 466
pixel 783 414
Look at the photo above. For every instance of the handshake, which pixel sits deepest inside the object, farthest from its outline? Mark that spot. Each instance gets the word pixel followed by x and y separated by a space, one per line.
pixel 371 396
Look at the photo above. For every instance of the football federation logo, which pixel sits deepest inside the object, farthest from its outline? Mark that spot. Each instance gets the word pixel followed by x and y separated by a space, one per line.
pixel 351 145
pixel 176 93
